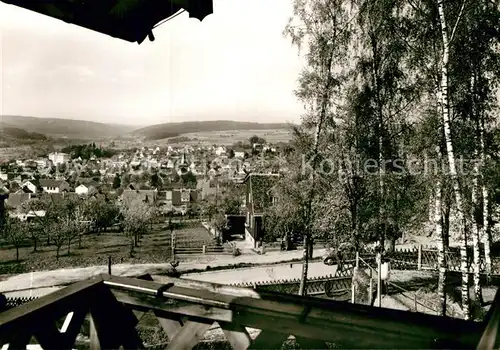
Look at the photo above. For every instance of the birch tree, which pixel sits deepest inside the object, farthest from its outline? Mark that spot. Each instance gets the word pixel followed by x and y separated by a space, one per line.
pixel 473 71
pixel 447 38
pixel 322 26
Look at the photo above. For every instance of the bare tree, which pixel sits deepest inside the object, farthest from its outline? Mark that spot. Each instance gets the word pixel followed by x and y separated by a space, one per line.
pixel 136 219
pixel 16 232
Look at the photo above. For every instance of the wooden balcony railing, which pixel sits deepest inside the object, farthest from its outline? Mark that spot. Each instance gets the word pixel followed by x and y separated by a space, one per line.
pixel 187 309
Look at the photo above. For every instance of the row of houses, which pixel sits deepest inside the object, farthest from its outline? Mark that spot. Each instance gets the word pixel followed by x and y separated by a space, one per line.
pixel 259 197
pixel 180 199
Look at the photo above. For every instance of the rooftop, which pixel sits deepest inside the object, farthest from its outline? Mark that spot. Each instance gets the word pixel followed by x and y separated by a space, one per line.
pixel 131 20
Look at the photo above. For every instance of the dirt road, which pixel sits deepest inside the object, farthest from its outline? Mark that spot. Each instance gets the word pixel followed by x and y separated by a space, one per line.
pixel 65 276
pixel 263 274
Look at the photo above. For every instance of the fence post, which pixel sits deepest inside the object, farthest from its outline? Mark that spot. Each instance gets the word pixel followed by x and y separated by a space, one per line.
pixel 353 296
pixel 204 249
pixel 379 279
pixel 109 265
pixel 357 259
pixel 419 258
pixel 415 298
pixel 172 244
pixel 371 287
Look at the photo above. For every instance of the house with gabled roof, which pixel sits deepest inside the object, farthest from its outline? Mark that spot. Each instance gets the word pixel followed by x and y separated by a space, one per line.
pixel 85 190
pixel 147 196
pixel 258 198
pixel 28 187
pixel 15 200
pixel 54 186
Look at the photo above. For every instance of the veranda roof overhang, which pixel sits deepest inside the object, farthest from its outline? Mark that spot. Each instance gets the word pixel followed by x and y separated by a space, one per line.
pixel 130 20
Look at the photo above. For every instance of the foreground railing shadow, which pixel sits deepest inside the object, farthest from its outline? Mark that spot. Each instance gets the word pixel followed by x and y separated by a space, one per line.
pixel 187 309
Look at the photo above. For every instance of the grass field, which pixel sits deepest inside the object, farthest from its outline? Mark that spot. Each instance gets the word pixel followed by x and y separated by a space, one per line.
pixel 95 249
pixel 231 136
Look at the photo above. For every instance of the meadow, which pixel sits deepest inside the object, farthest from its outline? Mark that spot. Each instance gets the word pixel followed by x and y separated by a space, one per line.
pixel 224 138
pixel 95 249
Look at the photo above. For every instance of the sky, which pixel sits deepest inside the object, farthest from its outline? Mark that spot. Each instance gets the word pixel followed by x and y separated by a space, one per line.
pixel 235 65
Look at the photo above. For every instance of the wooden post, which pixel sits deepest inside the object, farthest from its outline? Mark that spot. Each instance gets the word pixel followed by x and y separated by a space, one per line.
pixel 415 297
pixel 109 265
pixel 353 296
pixel 379 279
pixel 94 338
pixel 204 249
pixel 419 258
pixel 172 244
pixel 353 291
pixel 371 288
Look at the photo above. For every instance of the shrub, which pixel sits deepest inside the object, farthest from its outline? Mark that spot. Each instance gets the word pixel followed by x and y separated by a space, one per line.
pixel 236 251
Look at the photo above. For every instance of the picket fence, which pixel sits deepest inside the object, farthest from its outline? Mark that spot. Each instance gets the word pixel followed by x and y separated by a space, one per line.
pixel 204 250
pixel 17 301
pixel 332 286
pixel 426 258
pixel 276 246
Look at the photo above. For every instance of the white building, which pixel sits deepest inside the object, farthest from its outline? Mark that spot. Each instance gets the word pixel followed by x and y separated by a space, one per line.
pixel 29 185
pixel 239 154
pixel 54 186
pixel 59 158
pixel 41 163
pixel 82 190
pixel 220 151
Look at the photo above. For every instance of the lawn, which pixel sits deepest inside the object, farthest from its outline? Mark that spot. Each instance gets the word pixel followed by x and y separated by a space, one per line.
pixel 96 248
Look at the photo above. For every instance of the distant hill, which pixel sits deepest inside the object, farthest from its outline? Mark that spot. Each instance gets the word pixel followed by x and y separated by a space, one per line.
pixel 162 131
pixel 13 136
pixel 66 127
pixel 10 131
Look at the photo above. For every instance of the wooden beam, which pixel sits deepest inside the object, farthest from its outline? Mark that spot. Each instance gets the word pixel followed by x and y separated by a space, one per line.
pixel 489 339
pixel 50 337
pixel 19 340
pixel 190 334
pixel 308 343
pixel 114 324
pixel 95 344
pixel 269 340
pixel 236 335
pixel 49 307
pixel 170 327
pixel 337 322
pixel 171 308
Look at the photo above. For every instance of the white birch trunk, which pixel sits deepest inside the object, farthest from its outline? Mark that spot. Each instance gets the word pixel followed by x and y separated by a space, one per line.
pixel 438 222
pixel 440 243
pixel 475 235
pixel 485 227
pixel 451 162
pixel 381 189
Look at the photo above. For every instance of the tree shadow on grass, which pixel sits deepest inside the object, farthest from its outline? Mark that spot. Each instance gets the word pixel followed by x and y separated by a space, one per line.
pixel 12 266
pixel 414 284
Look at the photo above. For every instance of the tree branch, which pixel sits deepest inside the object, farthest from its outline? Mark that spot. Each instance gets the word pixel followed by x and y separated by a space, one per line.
pixel 456 23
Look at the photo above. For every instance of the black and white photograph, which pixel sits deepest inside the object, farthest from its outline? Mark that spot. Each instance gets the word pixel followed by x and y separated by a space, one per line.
pixel 264 174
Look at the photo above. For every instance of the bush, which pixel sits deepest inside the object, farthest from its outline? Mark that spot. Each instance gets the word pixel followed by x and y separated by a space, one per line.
pixel 236 251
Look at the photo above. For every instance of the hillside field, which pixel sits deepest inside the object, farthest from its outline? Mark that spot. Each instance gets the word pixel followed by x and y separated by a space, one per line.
pixel 225 138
